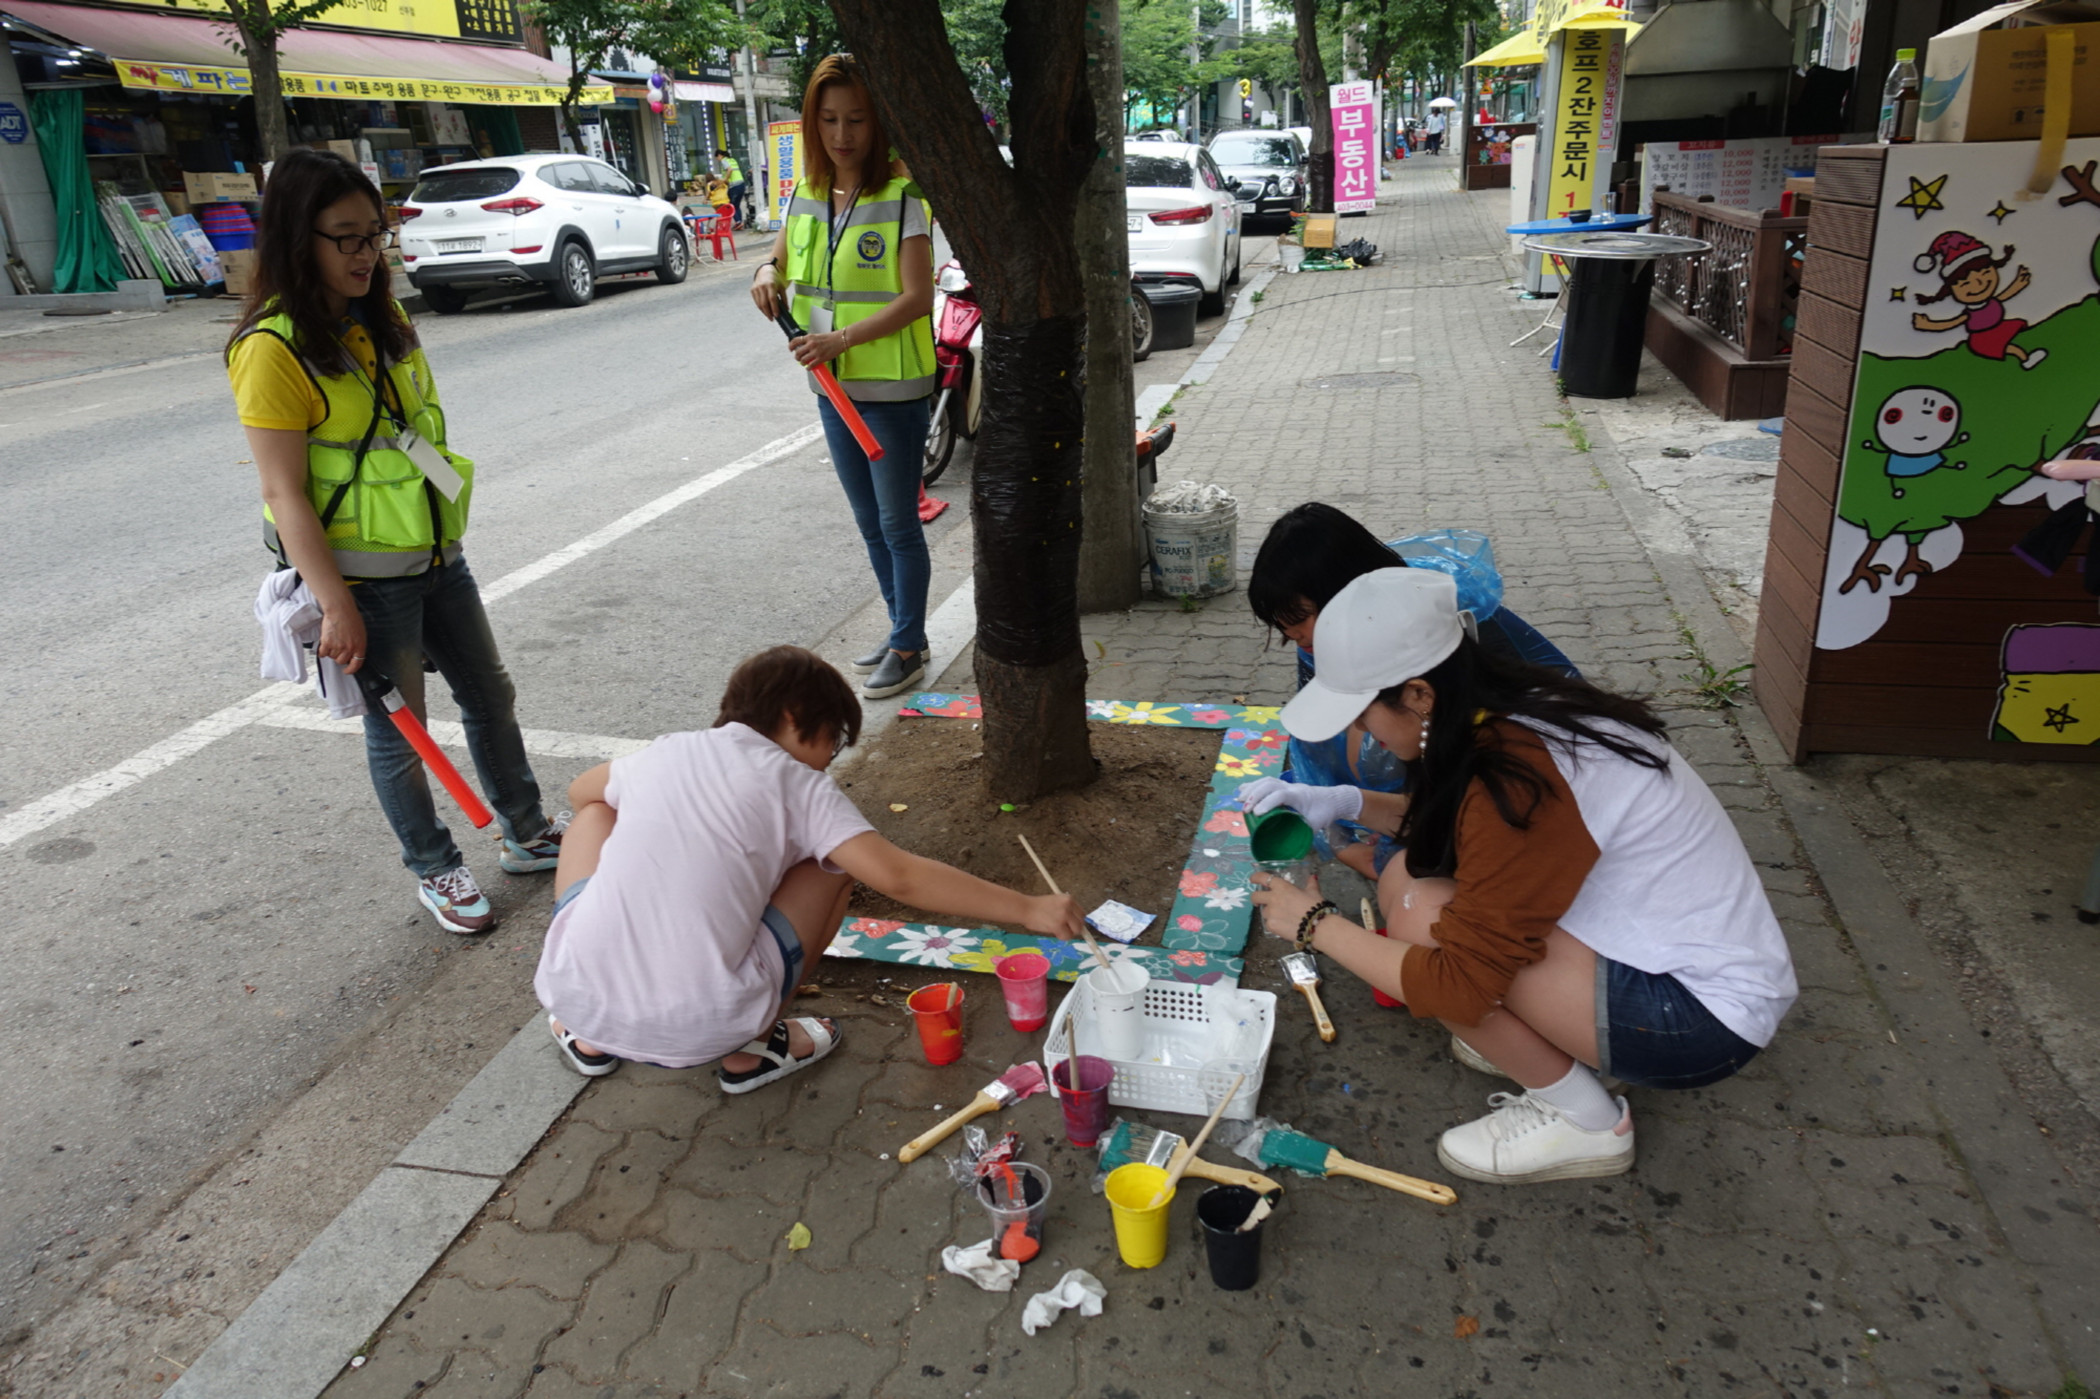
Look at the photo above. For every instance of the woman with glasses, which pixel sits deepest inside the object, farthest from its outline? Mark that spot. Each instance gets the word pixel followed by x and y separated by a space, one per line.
pixel 363 496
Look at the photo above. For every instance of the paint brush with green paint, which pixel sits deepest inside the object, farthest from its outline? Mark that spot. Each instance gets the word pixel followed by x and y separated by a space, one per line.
pixel 1274 1144
pixel 1127 1142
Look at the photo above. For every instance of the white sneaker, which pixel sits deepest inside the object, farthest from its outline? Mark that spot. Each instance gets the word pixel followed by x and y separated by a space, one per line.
pixel 1527 1139
pixel 1473 1059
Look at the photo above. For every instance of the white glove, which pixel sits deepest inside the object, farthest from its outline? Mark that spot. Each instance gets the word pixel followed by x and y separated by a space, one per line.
pixel 1320 806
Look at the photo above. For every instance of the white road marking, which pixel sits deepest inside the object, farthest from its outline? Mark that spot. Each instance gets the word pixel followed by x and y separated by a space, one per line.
pixel 265 703
pixel 550 743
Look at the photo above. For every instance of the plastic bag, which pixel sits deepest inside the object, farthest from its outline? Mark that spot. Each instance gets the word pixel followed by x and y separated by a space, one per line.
pixel 1189 498
pixel 1467 556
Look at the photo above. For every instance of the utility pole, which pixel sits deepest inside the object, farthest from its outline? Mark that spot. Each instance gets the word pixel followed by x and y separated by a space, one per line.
pixel 754 138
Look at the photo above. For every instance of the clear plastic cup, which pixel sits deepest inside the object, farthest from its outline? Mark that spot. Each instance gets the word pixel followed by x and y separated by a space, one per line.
pixel 992 1193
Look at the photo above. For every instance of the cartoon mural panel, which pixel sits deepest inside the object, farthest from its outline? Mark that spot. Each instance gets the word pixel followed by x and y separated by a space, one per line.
pixel 2051 691
pixel 1979 363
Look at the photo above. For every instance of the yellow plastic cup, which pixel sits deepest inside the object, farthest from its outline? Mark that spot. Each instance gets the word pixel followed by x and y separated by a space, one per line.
pixel 1141 1226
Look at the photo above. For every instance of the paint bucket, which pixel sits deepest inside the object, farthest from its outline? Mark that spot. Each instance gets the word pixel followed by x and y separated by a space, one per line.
pixel 1280 835
pixel 1194 553
pixel 1024 980
pixel 1380 997
pixel 1141 1226
pixel 1235 1258
pixel 1035 1202
pixel 1086 1104
pixel 1118 993
pixel 937 1010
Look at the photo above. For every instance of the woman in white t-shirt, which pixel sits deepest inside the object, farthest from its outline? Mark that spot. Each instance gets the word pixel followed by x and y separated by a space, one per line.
pixel 699 875
pixel 1573 901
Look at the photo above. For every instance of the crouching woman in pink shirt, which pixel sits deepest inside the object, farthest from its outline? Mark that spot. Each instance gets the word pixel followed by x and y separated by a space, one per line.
pixel 700 875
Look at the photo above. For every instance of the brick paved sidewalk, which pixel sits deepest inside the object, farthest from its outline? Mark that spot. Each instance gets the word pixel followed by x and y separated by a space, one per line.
pixel 1808 1228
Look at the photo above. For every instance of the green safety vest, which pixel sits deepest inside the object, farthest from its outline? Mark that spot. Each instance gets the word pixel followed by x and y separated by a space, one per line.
pixel 865 275
pixel 388 522
pixel 736 171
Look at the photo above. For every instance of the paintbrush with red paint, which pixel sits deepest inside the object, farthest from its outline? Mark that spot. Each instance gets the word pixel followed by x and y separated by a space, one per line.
pixel 1018 1082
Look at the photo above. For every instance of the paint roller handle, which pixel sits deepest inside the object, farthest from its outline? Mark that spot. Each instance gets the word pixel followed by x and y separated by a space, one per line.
pixel 1340 1165
pixel 926 1141
pixel 829 383
pixel 382 697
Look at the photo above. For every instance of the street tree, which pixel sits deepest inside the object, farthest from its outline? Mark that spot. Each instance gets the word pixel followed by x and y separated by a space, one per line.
pixel 1012 227
pixel 1159 37
pixel 1312 84
pixel 669 32
pixel 257 27
pixel 808 28
pixel 1268 58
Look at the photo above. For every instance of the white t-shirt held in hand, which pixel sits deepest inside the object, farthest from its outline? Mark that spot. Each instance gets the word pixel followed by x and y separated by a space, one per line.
pixel 662 957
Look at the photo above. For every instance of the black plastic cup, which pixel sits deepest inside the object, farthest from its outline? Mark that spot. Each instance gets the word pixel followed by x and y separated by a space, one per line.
pixel 1235 1258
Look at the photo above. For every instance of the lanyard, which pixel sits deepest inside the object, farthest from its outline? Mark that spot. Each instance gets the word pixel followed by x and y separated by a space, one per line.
pixel 839 224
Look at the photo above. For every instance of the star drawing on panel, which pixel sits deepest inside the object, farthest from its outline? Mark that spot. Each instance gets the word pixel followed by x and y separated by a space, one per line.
pixel 1924 196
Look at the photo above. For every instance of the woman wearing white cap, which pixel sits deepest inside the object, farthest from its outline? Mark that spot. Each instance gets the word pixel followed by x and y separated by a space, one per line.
pixel 1573 901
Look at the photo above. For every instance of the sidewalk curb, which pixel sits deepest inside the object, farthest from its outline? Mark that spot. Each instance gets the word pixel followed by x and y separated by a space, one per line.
pixel 1994 1137
pixel 1154 400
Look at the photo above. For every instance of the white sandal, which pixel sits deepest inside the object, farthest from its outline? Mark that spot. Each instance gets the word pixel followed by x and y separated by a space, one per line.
pixel 779 1061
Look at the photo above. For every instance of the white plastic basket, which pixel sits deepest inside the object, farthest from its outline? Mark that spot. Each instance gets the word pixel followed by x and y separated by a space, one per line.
pixel 1187 1027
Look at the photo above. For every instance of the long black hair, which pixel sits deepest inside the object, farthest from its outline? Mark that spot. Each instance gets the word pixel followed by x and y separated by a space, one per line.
pixel 1312 552
pixel 302 184
pixel 1475 686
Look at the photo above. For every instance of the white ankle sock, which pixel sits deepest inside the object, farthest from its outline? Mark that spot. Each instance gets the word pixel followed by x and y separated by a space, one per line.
pixel 1581 1097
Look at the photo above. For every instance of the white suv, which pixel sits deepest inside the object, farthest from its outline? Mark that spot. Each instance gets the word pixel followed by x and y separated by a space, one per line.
pixel 561 221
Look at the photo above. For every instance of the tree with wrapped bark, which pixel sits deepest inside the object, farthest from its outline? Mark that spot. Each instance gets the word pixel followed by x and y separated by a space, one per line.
pixel 1011 227
pixel 1312 86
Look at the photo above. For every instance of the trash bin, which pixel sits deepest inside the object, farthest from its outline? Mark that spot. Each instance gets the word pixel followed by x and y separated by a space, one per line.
pixel 1173 313
pixel 1607 297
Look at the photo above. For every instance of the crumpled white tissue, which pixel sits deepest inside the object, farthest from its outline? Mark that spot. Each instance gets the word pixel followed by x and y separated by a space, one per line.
pixel 977 1264
pixel 1078 1288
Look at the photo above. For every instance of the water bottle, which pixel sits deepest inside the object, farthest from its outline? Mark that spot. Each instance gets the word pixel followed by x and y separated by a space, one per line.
pixel 1899 100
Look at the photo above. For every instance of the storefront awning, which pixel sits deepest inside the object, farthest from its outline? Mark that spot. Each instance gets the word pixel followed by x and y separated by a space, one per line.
pixel 1552 16
pixel 1517 50
pixel 704 92
pixel 181 53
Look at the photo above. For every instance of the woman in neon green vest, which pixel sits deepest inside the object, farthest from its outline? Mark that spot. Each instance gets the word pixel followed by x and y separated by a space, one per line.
pixel 362 495
pixel 854 261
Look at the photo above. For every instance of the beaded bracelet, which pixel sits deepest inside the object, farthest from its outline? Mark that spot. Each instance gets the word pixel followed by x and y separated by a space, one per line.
pixel 1310 921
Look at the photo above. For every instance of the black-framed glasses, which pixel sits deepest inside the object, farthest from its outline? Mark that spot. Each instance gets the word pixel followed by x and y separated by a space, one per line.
pixel 352 244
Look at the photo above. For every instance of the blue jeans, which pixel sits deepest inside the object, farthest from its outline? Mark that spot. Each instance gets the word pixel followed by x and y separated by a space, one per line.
pixel 1653 1033
pixel 438 614
pixel 885 500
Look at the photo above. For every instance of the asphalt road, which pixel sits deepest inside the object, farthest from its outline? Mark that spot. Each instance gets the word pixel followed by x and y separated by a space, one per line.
pixel 192 951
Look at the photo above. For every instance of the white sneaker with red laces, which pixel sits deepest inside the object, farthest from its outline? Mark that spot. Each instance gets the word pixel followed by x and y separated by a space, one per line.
pixel 1527 1139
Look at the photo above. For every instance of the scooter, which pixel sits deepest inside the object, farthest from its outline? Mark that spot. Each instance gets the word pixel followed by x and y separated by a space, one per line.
pixel 958 347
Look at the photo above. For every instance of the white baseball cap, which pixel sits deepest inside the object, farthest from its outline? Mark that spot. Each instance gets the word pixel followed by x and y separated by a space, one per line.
pixel 1388 626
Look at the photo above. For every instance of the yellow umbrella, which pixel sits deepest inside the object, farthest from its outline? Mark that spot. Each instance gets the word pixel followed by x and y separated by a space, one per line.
pixel 1518 49
pixel 1600 16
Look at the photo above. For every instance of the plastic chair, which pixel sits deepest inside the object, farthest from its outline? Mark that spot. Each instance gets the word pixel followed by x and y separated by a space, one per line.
pixel 722 231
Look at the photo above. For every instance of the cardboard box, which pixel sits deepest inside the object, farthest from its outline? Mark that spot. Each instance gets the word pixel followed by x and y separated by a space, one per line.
pixel 211 187
pixel 177 204
pixel 1984 82
pixel 346 149
pixel 237 265
pixel 1319 231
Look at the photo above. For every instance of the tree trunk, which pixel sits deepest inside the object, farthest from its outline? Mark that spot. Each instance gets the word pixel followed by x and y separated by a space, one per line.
pixel 1112 548
pixel 1014 236
pixel 1312 77
pixel 271 130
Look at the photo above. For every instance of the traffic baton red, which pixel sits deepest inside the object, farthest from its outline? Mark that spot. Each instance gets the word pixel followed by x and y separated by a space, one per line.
pixel 829 382
pixel 382 697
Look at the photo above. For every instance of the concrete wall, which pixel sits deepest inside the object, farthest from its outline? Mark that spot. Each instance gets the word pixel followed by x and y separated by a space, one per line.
pixel 25 193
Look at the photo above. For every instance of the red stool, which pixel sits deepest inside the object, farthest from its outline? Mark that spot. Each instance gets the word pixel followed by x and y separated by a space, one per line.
pixel 723 231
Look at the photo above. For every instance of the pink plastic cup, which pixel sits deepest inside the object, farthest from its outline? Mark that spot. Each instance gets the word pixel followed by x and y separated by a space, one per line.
pixel 1086 1104
pixel 1024 977
pixel 938 1011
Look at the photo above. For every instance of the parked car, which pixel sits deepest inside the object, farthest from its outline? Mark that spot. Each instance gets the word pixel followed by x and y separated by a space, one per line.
pixel 1184 221
pixel 1265 169
pixel 558 221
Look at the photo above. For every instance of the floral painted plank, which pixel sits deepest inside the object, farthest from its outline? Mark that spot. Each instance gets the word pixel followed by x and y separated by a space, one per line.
pixel 1206 928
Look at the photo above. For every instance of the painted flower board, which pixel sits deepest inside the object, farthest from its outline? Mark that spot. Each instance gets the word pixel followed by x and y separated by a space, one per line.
pixel 1206 929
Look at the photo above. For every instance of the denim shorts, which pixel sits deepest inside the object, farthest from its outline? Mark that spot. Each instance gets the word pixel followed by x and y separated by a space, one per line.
pixel 775 922
pixel 1653 1033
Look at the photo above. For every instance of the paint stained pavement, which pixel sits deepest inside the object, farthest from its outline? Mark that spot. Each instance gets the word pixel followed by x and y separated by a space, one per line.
pixel 1860 1212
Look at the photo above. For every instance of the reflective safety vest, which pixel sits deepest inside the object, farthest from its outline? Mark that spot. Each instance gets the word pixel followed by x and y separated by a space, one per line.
pixel 856 279
pixel 387 520
pixel 733 170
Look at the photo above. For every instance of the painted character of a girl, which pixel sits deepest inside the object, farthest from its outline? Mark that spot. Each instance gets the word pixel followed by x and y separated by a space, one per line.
pixel 1969 274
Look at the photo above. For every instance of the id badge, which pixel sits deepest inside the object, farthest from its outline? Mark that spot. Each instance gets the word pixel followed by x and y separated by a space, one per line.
pixel 432 463
pixel 820 318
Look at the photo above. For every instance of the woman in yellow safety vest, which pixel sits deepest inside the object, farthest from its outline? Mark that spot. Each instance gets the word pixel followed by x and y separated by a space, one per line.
pixel 362 495
pixel 854 261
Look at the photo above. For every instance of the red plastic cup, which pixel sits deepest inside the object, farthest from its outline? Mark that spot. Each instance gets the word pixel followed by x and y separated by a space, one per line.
pixel 1025 980
pixel 1379 997
pixel 1086 1106
pixel 938 1012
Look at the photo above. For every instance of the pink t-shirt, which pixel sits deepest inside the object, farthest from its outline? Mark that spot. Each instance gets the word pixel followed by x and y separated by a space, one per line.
pixel 662 957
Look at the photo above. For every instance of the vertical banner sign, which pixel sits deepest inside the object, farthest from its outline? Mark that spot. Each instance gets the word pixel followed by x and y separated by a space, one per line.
pixel 784 139
pixel 1355 121
pixel 1587 102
